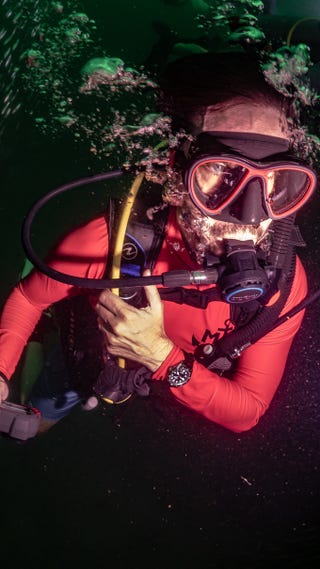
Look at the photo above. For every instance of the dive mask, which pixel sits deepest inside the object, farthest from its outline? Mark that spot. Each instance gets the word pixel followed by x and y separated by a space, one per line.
pixel 232 186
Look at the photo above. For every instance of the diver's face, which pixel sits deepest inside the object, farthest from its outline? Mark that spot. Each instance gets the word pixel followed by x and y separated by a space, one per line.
pixel 204 234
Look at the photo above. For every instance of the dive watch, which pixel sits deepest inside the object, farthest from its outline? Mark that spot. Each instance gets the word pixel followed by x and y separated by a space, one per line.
pixel 180 373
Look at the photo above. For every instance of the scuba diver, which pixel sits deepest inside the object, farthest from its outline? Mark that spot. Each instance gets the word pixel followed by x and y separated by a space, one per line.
pixel 221 268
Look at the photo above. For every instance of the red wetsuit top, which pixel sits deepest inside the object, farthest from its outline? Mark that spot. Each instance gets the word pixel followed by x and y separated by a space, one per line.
pixel 237 404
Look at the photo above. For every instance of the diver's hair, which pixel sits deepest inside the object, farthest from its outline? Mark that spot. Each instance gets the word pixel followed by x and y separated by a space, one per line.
pixel 190 84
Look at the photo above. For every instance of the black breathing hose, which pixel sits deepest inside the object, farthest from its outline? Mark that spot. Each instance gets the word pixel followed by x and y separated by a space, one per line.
pixel 169 279
pixel 26 234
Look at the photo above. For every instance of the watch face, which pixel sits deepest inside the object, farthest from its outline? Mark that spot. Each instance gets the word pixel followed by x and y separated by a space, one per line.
pixel 179 374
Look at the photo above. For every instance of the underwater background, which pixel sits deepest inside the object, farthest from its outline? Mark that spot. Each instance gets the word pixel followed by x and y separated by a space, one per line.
pixel 146 482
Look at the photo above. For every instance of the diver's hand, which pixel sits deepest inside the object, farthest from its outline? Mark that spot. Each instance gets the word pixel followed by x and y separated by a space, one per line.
pixel 4 390
pixel 133 333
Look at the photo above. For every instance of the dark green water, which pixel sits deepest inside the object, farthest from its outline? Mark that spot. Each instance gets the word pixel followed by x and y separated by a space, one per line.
pixel 149 482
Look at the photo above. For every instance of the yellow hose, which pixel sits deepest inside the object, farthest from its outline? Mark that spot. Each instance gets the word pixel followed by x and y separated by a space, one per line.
pixel 126 211
pixel 118 246
pixel 125 214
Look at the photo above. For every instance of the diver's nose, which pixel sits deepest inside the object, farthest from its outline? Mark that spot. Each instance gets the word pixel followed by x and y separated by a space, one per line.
pixel 249 208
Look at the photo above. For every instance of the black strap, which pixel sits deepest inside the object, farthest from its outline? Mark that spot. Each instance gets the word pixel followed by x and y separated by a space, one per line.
pixel 192 297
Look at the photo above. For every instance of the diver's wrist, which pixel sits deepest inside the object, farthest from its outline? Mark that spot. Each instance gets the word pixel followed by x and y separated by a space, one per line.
pixel 163 350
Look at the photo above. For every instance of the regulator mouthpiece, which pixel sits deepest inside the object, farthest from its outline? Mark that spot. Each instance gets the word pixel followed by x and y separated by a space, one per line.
pixel 243 279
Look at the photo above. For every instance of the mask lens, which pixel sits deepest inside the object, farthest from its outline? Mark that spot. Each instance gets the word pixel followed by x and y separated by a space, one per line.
pixel 214 181
pixel 286 188
pixel 218 181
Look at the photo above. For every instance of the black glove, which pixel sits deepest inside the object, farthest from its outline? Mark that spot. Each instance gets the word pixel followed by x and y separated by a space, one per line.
pixel 116 384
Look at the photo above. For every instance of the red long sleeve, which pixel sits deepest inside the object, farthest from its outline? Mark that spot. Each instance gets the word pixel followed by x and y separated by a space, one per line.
pixel 82 253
